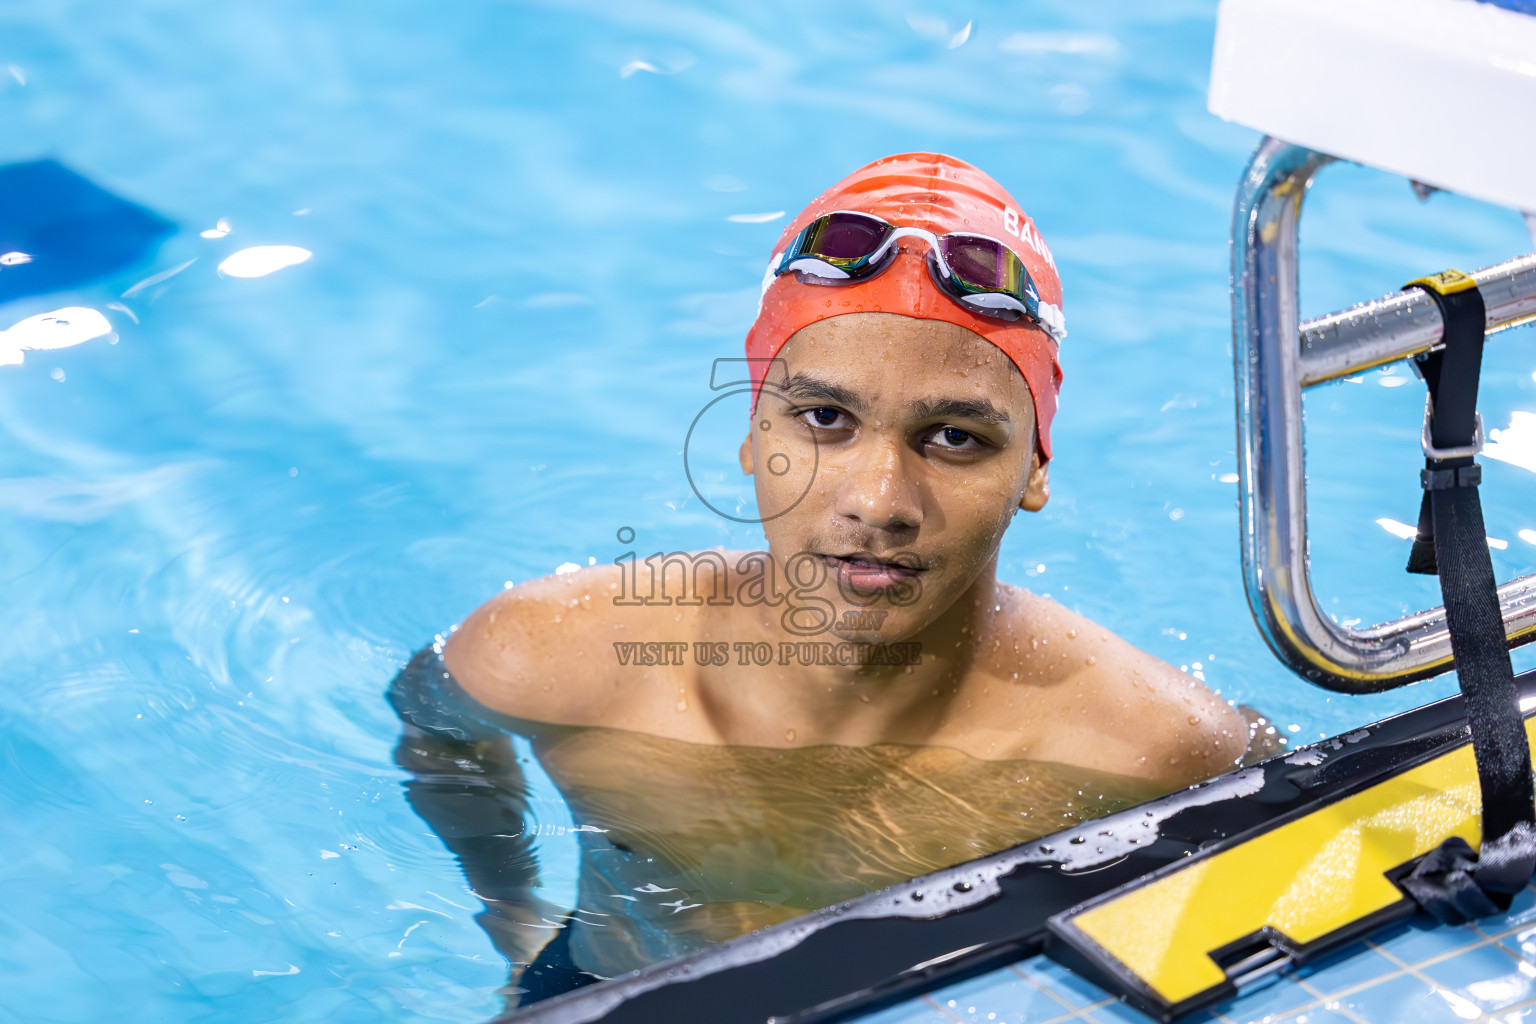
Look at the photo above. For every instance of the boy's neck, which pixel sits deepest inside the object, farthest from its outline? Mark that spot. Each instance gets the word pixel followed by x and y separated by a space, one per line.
pixel 856 705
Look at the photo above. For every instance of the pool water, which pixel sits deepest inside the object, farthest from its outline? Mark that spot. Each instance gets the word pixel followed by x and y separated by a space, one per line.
pixel 532 228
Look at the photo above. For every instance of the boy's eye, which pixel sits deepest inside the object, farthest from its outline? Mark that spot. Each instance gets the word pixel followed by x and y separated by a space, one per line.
pixel 954 437
pixel 825 417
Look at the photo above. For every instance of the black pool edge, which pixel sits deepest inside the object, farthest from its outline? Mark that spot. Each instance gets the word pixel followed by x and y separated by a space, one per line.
pixel 900 942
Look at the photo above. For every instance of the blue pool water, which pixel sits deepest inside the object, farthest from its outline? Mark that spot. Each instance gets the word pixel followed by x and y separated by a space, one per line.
pixel 533 226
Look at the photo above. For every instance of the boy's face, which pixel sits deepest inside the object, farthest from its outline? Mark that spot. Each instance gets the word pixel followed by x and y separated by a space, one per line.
pixel 910 444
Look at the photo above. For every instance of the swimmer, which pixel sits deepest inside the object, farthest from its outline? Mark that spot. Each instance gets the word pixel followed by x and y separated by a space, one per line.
pixel 924 403
pixel 746 736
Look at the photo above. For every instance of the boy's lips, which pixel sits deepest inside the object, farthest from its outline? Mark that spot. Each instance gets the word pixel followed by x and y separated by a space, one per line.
pixel 870 574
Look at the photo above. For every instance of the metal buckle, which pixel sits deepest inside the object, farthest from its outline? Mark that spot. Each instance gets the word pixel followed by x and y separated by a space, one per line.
pixel 1464 452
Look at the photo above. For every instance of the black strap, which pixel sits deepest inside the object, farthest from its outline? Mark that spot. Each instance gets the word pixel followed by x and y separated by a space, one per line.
pixel 1452 374
pixel 1453 883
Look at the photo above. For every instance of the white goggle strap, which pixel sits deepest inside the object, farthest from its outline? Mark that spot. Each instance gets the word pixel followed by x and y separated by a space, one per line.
pixel 768 276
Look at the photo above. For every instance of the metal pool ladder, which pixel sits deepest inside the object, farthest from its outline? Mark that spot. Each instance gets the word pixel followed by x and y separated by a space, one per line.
pixel 1276 357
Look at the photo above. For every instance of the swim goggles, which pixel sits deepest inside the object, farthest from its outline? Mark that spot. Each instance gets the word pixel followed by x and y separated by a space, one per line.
pixel 977 271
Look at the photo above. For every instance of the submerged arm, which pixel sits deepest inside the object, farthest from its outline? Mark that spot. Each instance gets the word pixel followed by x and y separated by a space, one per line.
pixel 466 783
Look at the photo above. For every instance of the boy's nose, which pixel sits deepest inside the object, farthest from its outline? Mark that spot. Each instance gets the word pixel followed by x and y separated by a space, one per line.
pixel 877 490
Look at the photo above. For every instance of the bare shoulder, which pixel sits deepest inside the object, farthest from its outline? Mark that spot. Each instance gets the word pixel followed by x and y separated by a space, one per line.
pixel 1103 703
pixel 545 650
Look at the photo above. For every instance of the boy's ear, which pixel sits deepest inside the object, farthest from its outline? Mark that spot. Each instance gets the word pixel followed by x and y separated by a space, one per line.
pixel 746 454
pixel 1038 491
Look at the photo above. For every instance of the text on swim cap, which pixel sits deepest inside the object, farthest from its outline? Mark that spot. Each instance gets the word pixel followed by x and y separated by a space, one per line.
pixel 1025 232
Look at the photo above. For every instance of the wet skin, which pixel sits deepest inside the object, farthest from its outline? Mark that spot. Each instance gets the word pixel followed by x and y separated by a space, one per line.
pixel 922 436
pixel 724 797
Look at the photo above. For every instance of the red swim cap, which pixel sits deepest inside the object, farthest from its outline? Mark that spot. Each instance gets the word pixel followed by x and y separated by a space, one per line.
pixel 940 194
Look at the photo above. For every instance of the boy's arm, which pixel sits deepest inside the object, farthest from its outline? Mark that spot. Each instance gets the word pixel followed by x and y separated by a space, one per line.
pixel 1122 710
pixel 543 651
pixel 466 783
pixel 1180 731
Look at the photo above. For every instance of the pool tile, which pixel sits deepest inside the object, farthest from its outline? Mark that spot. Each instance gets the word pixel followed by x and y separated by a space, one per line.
pixel 913 1011
pixel 1002 997
pixel 1361 968
pixel 1487 977
pixel 1284 996
pixel 1070 988
pixel 1420 942
pixel 1521 911
pixel 1522 943
pixel 1315 1015
pixel 1119 1012
pixel 1403 999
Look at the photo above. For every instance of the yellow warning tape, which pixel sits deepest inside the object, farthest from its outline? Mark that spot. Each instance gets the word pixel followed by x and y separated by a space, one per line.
pixel 1306 879
pixel 1447 282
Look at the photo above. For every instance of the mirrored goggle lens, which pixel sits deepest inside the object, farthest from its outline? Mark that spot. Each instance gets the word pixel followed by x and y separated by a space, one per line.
pixel 843 237
pixel 984 263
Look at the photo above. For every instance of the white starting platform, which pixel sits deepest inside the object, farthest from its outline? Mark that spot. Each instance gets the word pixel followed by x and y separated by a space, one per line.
pixel 1439 91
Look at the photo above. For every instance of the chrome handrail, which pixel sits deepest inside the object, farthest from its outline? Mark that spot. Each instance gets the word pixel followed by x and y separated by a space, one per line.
pixel 1406 323
pixel 1276 356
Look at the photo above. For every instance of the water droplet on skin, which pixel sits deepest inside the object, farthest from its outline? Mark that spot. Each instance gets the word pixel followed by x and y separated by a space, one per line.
pixel 1071 634
pixel 682 705
pixel 1092 661
pixel 1194 719
pixel 789 734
